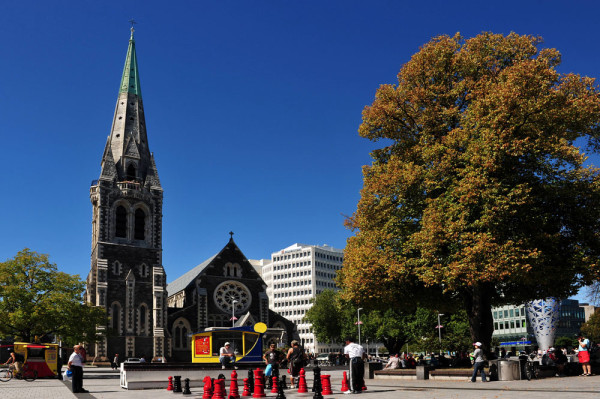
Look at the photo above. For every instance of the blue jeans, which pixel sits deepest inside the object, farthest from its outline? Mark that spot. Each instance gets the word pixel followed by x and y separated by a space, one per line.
pixel 477 367
pixel 227 360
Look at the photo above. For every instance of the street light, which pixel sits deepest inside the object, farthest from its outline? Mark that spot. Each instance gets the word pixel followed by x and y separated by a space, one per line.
pixel 233 319
pixel 439 327
pixel 358 323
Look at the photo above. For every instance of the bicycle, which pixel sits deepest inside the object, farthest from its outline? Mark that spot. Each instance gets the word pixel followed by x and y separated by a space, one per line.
pixel 26 374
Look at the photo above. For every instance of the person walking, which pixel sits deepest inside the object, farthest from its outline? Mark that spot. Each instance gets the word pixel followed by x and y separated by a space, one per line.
pixel 355 355
pixel 583 355
pixel 115 363
pixel 296 358
pixel 478 363
pixel 76 366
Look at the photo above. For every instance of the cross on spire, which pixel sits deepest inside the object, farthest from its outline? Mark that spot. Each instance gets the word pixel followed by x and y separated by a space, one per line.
pixel 231 234
pixel 132 22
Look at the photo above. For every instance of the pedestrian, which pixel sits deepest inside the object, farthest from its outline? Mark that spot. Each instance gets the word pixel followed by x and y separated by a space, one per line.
pixel 583 354
pixel 296 360
pixel 355 355
pixel 272 358
pixel 115 362
pixel 478 363
pixel 76 366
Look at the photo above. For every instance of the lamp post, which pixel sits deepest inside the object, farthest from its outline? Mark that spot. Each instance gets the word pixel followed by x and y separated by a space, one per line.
pixel 439 327
pixel 233 312
pixel 358 323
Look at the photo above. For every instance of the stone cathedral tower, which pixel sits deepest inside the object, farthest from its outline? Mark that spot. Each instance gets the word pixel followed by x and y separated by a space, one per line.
pixel 127 276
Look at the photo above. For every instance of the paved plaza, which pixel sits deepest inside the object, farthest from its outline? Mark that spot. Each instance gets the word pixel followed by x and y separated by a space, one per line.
pixel 104 384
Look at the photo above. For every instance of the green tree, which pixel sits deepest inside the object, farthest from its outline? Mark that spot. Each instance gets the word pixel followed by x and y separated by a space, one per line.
pixel 567 342
pixel 325 317
pixel 479 192
pixel 36 300
pixel 591 328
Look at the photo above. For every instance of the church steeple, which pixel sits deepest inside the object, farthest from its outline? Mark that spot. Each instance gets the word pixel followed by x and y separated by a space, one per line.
pixel 127 156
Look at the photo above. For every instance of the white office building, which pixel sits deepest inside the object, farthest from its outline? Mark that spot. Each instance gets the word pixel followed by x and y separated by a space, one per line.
pixel 296 275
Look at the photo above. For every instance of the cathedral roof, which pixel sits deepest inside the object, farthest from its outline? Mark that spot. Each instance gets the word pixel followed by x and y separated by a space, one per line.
pixel 183 281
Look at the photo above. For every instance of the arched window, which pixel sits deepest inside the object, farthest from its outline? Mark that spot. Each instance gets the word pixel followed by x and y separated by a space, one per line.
pixel 140 224
pixel 131 175
pixel 181 328
pixel 121 222
pixel 115 319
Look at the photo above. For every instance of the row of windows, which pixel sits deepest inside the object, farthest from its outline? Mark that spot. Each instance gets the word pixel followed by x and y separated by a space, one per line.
pixel 328 266
pixel 292 313
pixel 292 275
pixel 143 319
pixel 506 313
pixel 327 284
pixel 326 275
pixel 292 284
pixel 329 257
pixel 512 324
pixel 291 265
pixel 294 255
pixel 295 293
pixel 292 303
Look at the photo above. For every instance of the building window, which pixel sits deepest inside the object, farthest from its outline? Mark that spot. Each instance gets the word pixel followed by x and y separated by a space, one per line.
pixel 115 318
pixel 121 222
pixel 131 175
pixel 140 224
pixel 181 328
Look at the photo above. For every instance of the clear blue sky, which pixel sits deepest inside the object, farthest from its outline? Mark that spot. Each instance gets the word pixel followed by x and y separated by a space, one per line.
pixel 252 109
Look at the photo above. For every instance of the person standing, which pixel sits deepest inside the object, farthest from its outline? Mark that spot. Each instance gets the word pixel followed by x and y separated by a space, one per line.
pixel 115 363
pixel 355 355
pixel 478 363
pixel 273 357
pixel 76 366
pixel 296 358
pixel 583 354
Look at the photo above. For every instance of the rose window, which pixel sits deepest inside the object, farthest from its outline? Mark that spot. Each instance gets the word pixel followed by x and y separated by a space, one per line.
pixel 230 291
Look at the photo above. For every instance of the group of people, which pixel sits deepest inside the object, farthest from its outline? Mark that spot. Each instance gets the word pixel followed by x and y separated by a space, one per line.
pixel 404 361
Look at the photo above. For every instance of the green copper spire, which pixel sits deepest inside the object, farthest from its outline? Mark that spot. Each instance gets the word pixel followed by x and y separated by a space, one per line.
pixel 130 82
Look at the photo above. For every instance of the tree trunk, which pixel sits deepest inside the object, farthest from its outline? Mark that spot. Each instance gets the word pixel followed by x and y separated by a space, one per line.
pixel 479 311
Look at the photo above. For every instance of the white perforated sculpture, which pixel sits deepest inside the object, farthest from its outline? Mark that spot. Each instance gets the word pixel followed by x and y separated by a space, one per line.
pixel 543 316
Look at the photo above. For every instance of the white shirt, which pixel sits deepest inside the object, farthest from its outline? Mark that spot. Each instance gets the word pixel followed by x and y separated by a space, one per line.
pixel 353 350
pixel 75 360
pixel 224 351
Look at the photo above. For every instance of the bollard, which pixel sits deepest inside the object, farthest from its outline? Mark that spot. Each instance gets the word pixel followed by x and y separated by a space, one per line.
pixel 234 392
pixel 177 384
pixel 302 382
pixel 259 385
pixel 246 391
pixel 345 383
pixel 208 391
pixel 186 387
pixel 326 384
pixel 170 386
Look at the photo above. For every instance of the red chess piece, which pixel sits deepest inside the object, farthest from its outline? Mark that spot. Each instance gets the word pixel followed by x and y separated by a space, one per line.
pixel 275 388
pixel 259 384
pixel 345 383
pixel 326 384
pixel 219 389
pixel 170 386
pixel 302 388
pixel 208 391
pixel 246 391
pixel 234 392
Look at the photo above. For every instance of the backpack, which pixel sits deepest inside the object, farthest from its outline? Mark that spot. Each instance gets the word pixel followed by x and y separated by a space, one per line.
pixel 298 360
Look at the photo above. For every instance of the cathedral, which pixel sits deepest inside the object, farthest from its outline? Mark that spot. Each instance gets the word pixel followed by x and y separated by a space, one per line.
pixel 127 278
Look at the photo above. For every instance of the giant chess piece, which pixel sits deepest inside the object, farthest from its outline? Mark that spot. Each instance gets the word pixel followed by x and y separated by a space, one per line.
pixel 280 392
pixel 283 382
pixel 302 388
pixel 208 388
pixel 177 384
pixel 259 384
pixel 186 387
pixel 317 377
pixel 317 384
pixel 233 387
pixel 251 380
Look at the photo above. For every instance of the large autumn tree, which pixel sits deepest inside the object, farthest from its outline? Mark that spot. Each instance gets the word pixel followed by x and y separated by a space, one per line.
pixel 37 300
pixel 480 190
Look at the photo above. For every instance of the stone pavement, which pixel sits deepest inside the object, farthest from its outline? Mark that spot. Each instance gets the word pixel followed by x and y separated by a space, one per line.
pixel 104 384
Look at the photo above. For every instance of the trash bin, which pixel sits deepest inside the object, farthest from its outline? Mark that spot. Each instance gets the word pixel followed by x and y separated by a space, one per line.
pixel 508 370
pixel 423 372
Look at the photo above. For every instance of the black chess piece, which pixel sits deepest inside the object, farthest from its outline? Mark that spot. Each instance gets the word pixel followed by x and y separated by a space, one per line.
pixel 283 382
pixel 186 387
pixel 317 388
pixel 251 380
pixel 280 392
pixel 176 384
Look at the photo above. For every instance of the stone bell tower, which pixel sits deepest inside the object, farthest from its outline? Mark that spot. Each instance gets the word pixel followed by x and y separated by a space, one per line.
pixel 127 277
